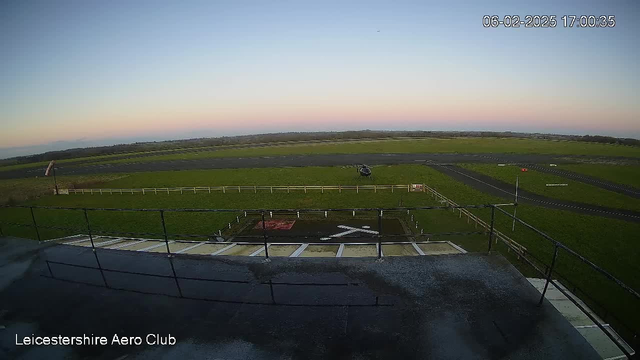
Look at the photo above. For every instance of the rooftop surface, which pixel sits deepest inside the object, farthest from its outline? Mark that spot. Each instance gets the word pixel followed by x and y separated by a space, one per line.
pixel 467 306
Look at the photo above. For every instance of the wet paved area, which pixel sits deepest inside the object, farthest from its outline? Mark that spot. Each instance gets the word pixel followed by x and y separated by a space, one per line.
pixel 470 306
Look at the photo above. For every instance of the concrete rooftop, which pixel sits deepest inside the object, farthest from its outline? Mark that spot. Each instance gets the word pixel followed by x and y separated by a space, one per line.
pixel 465 306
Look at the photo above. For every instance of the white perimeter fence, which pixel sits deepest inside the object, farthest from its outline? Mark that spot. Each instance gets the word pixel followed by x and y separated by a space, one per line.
pixel 511 244
pixel 249 188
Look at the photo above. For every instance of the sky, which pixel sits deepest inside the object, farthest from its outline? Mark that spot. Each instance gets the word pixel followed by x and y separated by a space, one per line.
pixel 94 71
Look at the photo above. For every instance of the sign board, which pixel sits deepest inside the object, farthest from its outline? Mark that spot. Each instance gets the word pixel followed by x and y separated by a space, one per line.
pixel 61 191
pixel 416 187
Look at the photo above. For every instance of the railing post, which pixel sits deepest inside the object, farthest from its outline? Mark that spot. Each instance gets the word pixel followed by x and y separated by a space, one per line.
pixel 35 225
pixel 379 234
pixel 164 229
pixel 493 216
pixel 264 235
pixel 546 284
pixel 86 218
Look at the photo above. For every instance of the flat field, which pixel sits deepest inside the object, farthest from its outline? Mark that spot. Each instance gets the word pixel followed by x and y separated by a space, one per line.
pixel 403 145
pixel 621 174
pixel 429 145
pixel 535 182
pixel 607 242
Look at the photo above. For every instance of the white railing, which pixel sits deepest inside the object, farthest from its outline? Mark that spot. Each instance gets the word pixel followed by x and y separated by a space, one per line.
pixel 511 244
pixel 249 188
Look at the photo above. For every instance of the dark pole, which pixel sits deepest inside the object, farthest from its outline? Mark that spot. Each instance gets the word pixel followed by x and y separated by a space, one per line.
pixel 35 225
pixel 55 182
pixel 264 235
pixel 175 277
pixel 546 284
pixel 49 267
pixel 379 234
pixel 93 248
pixel 493 216
pixel 86 218
pixel 166 238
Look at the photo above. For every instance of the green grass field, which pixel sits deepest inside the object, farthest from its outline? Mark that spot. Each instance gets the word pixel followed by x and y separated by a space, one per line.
pixel 607 242
pixel 621 174
pixel 432 145
pixel 535 182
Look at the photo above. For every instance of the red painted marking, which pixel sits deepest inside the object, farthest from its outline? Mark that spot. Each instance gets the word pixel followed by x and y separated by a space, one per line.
pixel 276 225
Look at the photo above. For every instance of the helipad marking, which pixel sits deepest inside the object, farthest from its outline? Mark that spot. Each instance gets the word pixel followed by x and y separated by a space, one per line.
pixel 259 250
pixel 190 247
pixel 340 250
pixel 155 246
pixel 417 248
pixel 77 241
pixel 223 249
pixel 130 244
pixel 104 243
pixel 299 250
pixel 457 247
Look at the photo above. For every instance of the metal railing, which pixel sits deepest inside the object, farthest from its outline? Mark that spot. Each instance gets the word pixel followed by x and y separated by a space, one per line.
pixel 549 270
pixel 493 235
pixel 511 244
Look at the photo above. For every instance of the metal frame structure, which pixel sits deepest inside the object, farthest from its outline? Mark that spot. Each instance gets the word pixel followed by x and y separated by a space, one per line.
pixel 522 253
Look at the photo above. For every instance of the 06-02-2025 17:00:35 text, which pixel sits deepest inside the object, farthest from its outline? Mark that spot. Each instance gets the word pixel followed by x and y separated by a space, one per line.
pixel 549 21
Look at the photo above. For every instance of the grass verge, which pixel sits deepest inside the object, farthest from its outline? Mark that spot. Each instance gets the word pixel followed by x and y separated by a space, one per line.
pixel 535 182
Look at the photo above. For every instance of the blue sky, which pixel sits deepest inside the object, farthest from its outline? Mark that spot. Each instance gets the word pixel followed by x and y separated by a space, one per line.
pixel 110 70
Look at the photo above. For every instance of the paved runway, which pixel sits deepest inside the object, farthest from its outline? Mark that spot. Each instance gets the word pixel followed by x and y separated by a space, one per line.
pixel 501 189
pixel 296 161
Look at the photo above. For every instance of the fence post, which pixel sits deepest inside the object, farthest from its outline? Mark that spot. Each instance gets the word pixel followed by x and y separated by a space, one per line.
pixel 93 247
pixel 493 215
pixel 35 225
pixel 86 218
pixel 164 230
pixel 379 234
pixel 264 235
pixel 546 284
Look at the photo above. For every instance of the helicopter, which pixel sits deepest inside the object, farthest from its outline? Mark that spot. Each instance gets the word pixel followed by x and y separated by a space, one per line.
pixel 364 170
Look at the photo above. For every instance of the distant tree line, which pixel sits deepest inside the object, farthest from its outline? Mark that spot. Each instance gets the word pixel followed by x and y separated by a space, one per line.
pixel 295 137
